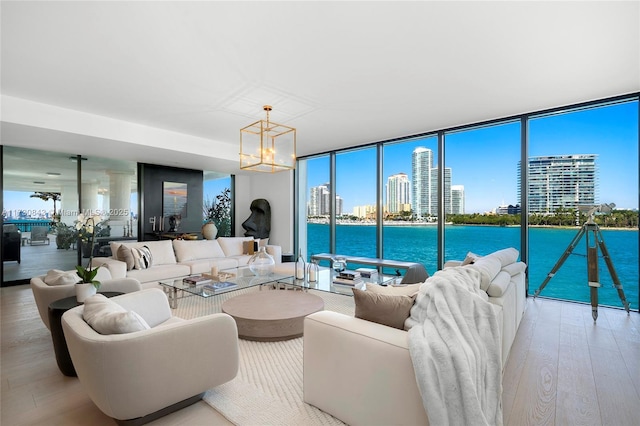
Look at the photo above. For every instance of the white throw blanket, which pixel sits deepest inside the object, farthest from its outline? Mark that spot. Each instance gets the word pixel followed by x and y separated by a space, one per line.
pixel 455 346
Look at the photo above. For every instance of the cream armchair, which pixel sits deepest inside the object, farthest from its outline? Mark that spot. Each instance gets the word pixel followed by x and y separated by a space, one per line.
pixel 140 376
pixel 44 293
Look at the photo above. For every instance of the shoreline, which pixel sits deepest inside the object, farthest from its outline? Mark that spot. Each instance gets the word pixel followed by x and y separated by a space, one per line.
pixel 423 224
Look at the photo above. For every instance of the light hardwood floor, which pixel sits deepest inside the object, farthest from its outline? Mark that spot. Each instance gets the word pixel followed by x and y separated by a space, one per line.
pixel 563 370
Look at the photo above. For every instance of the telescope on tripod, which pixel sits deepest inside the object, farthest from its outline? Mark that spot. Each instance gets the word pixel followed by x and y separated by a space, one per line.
pixel 594 241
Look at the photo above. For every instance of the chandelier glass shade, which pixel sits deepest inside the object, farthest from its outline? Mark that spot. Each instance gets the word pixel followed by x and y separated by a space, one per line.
pixel 266 146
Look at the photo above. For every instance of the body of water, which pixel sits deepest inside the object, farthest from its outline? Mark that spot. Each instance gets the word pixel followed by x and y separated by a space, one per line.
pixel 546 246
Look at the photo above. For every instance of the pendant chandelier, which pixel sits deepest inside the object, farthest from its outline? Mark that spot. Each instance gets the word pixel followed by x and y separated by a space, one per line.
pixel 266 146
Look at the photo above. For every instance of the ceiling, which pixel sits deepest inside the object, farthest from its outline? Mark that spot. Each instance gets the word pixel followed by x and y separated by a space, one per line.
pixel 343 73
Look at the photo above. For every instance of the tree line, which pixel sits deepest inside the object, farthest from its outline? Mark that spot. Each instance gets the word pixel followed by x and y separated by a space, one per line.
pixel 562 217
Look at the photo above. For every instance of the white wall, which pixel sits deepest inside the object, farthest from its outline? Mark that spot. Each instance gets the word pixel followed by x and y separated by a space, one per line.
pixel 277 189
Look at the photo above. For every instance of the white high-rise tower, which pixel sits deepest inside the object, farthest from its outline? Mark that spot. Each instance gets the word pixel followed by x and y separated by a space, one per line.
pixel 398 193
pixel 421 164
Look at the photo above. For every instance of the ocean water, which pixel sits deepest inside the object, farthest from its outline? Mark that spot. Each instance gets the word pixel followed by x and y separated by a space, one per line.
pixel 546 246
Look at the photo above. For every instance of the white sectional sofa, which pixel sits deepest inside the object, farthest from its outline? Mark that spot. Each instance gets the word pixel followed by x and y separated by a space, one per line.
pixel 172 259
pixel 361 372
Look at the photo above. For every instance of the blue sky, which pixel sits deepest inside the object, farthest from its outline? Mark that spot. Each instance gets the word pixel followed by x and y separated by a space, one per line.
pixel 485 160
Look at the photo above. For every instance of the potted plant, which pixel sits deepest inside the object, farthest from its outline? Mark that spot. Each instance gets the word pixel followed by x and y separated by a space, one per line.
pixel 217 216
pixel 101 229
pixel 88 285
pixel 66 235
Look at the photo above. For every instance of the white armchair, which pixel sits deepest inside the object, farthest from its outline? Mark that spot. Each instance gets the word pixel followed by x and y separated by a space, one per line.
pixel 44 293
pixel 144 375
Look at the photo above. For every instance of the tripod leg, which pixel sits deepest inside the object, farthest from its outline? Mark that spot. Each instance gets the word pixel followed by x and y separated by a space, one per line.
pixel 594 280
pixel 564 257
pixel 612 271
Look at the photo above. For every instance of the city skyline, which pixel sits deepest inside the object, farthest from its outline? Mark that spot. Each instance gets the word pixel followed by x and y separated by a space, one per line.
pixel 486 159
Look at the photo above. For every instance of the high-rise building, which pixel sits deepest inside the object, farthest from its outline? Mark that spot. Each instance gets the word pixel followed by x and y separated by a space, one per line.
pixel 398 193
pixel 457 199
pixel 433 191
pixel 421 164
pixel 565 181
pixel 424 185
pixel 319 201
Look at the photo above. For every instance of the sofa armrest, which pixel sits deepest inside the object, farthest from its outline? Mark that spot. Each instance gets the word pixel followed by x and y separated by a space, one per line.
pixel 359 371
pixel 276 252
pixel 117 268
pixel 158 370
pixel 452 263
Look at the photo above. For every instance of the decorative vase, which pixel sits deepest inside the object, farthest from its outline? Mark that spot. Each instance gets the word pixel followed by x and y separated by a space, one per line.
pixel 84 290
pixel 261 263
pixel 313 270
pixel 301 267
pixel 209 231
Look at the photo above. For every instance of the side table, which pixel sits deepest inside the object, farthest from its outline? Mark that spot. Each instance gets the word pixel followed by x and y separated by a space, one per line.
pixel 56 309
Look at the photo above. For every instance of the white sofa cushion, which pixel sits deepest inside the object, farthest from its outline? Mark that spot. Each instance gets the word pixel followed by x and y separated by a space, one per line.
pixel 232 246
pixel 107 317
pixel 193 250
pixel 159 272
pixel 515 268
pixel 505 256
pixel 499 284
pixel 488 266
pixel 162 251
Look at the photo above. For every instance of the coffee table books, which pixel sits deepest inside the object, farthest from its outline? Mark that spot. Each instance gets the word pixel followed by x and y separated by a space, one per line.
pixel 196 280
pixel 220 286
pixel 350 278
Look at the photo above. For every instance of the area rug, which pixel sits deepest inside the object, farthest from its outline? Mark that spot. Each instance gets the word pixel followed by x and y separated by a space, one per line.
pixel 268 387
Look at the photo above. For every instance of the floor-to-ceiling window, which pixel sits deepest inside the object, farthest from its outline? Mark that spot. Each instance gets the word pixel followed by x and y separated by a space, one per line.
pixel 355 199
pixel 482 208
pixel 410 196
pixel 580 161
pixel 315 205
pixel 575 159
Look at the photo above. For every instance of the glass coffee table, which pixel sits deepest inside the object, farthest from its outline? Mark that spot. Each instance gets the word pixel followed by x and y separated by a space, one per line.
pixel 325 282
pixel 228 280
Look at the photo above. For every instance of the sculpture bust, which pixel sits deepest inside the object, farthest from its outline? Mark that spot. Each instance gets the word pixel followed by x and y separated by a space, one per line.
pixel 258 225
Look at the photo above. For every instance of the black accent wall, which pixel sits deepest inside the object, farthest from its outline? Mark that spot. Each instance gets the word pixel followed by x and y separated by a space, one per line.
pixel 151 178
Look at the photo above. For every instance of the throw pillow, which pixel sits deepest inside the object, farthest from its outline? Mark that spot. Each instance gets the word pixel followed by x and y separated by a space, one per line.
pixel 143 257
pixel 384 309
pixel 248 247
pixel 107 317
pixel 58 277
pixel 394 290
pixel 124 255
pixel 470 259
